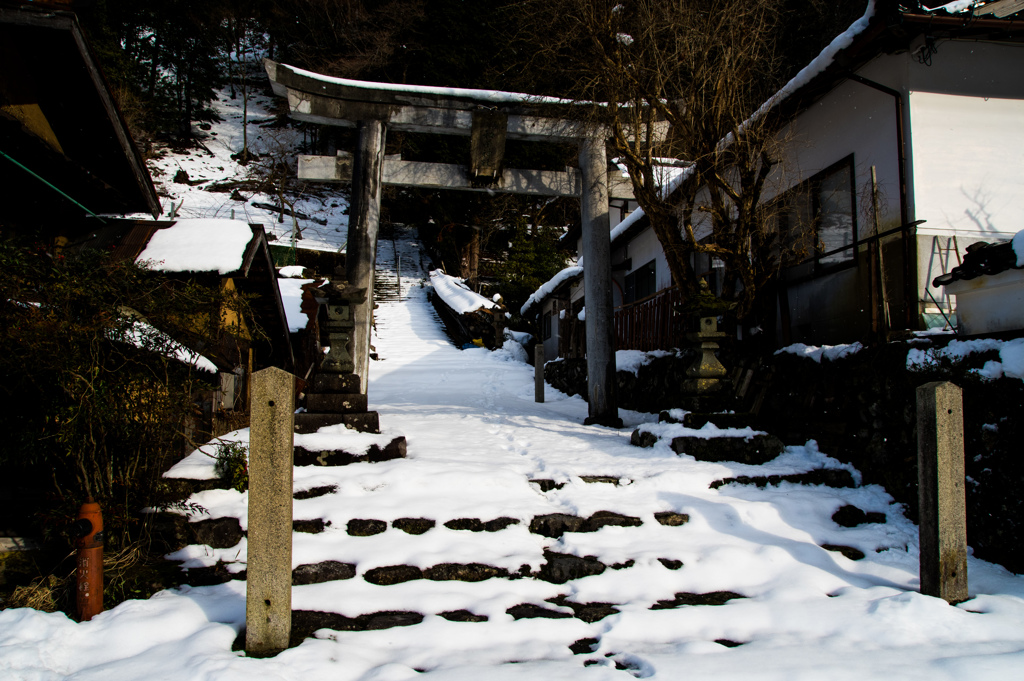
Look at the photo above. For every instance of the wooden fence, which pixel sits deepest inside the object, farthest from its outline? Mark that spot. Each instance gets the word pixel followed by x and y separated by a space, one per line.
pixel 653 323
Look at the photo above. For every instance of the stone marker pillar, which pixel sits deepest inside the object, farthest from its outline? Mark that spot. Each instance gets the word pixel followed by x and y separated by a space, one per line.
pixel 363 222
pixel 268 594
pixel 538 372
pixel 941 498
pixel 597 284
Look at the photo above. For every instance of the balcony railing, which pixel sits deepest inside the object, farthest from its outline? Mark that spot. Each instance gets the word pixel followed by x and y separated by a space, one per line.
pixel 653 323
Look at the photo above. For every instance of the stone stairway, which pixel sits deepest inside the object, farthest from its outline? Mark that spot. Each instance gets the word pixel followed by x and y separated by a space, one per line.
pixel 558 567
pixel 333 399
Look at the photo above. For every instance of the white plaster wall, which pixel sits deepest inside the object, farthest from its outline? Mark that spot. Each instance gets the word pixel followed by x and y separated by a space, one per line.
pixel 551 343
pixel 851 119
pixel 966 160
pixel 968 164
pixel 644 248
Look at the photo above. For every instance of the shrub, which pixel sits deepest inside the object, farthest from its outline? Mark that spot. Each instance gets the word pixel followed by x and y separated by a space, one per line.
pixel 233 465
pixel 98 399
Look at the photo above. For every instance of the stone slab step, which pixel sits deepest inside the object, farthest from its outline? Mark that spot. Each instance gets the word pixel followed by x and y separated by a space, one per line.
pixel 829 477
pixel 337 403
pixel 396 449
pixel 754 450
pixel 310 422
pixel 336 383
pixel 306 622
pixel 727 420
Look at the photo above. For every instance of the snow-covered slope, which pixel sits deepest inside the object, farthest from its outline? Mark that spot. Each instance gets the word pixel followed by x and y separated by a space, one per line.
pixel 219 187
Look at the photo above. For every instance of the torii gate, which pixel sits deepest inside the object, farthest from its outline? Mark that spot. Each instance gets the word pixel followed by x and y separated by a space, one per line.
pixel 489 119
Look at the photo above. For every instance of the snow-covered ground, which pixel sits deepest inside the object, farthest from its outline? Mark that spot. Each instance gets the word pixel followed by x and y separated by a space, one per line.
pixel 475 439
pixel 211 170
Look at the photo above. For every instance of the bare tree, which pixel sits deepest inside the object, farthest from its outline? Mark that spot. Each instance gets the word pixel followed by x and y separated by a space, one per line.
pixel 705 68
pixel 274 168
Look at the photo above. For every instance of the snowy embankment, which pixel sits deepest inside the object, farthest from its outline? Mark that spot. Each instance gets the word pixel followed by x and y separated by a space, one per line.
pixel 215 185
pixel 476 440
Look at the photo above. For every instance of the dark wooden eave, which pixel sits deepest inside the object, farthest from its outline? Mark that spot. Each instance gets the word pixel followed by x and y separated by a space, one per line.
pixel 98 162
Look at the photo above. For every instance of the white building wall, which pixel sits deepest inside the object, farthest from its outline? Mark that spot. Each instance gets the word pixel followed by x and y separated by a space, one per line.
pixel 851 119
pixel 965 112
pixel 645 248
pixel 968 164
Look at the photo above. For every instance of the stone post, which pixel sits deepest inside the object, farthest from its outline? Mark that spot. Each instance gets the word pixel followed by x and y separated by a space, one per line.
pixel 597 284
pixel 364 220
pixel 268 594
pixel 538 372
pixel 942 506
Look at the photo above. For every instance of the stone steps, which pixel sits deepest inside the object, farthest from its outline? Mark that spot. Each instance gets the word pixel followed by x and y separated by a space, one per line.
pixel 333 399
pixel 310 422
pixel 557 568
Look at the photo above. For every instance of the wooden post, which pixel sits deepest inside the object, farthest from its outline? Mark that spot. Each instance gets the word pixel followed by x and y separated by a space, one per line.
pixel 597 284
pixel 364 220
pixel 942 506
pixel 538 372
pixel 268 594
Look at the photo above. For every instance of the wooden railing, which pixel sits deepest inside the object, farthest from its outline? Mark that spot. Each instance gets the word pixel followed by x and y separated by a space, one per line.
pixel 652 323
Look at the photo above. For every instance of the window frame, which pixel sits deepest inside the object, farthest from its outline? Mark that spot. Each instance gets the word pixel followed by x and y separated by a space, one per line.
pixel 812 188
pixel 648 269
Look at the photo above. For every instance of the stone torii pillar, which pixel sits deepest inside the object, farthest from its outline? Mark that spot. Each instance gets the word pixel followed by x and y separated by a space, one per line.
pixel 597 284
pixel 363 223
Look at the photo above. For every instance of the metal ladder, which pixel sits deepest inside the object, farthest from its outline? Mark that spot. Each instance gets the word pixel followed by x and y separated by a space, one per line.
pixel 945 304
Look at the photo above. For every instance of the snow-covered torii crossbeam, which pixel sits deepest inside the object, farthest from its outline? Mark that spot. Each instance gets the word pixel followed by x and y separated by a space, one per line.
pixel 489 118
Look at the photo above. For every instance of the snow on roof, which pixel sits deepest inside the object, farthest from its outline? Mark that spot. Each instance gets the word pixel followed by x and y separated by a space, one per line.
pixel 198 245
pixel 148 337
pixel 456 294
pixel 627 222
pixel 812 70
pixel 954 7
pixel 494 96
pixel 550 285
pixel 1018 247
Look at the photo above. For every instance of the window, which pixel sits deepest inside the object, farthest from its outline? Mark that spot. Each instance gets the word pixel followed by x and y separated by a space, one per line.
pixel 545 328
pixel 818 217
pixel 641 282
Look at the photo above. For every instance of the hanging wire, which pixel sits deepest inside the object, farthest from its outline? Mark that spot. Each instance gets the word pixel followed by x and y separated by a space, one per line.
pixel 50 185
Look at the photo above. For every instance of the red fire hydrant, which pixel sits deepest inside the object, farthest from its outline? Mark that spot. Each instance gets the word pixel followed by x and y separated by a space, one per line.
pixel 89 541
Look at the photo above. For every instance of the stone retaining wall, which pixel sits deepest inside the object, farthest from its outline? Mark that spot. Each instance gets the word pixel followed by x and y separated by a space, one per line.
pixel 861 409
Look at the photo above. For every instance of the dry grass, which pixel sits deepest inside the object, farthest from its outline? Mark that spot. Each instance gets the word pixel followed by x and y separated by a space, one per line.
pixel 43 593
